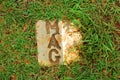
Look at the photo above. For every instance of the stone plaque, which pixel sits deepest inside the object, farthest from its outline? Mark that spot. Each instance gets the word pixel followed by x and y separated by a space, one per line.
pixel 56 41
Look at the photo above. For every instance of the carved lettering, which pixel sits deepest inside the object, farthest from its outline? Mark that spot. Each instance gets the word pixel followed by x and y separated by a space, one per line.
pixel 57 57
pixel 54 42
pixel 54 26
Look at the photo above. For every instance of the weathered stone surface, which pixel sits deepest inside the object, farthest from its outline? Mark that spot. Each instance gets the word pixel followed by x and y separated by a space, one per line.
pixel 56 42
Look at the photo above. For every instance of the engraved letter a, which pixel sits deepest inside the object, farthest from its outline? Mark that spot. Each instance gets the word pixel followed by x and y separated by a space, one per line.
pixel 54 42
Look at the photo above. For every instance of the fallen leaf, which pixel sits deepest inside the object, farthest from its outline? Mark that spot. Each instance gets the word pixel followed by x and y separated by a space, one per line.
pixel 117 25
pixel 27 61
pixel 34 55
pixel 118 33
pixel 109 74
pixel 25 27
pixel 17 62
pixel 105 1
pixel 104 71
pixel 7 31
pixel 32 75
pixel 118 76
pixel 117 3
pixel 2 68
pixel 1 20
pixel 13 77
pixel 25 1
pixel 92 1
pixel 0 41
pixel 107 18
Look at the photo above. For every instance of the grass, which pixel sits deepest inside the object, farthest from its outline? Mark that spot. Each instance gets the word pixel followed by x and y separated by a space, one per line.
pixel 99 22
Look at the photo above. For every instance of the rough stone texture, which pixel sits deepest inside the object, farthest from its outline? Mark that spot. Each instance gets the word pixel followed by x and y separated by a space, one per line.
pixel 56 42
